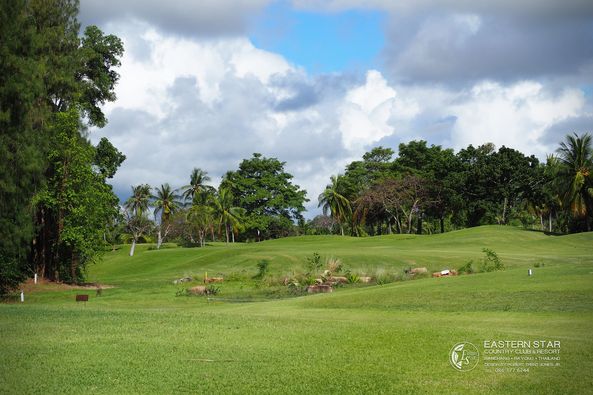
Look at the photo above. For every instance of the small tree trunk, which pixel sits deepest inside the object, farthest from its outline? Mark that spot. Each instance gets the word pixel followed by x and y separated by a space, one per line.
pixel 550 221
pixel 341 229
pixel 504 211
pixel 159 240
pixel 232 235
pixel 133 247
pixel 226 232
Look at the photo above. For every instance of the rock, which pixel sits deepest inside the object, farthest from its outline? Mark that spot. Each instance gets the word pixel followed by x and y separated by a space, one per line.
pixel 314 289
pixel 437 274
pixel 339 280
pixel 198 290
pixel 365 280
pixel 213 280
pixel 183 280
pixel 419 270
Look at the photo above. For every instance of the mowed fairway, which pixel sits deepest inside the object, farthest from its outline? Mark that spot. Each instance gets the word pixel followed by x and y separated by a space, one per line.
pixel 395 338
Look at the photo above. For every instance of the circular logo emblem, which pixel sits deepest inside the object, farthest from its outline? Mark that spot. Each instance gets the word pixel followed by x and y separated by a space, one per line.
pixel 464 356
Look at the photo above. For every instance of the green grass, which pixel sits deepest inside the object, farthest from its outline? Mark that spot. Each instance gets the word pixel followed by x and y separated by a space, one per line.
pixel 393 338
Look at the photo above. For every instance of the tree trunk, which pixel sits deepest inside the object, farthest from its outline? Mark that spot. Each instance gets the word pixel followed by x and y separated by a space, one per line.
pixel 419 228
pixel 550 221
pixel 504 211
pixel 133 247
pixel 541 221
pixel 342 229
pixel 159 240
pixel 73 267
pixel 232 235
pixel 226 232
pixel 442 221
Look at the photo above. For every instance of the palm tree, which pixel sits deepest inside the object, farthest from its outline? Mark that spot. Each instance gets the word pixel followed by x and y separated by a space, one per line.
pixel 138 203
pixel 165 202
pixel 197 185
pixel 225 213
pixel 333 200
pixel 576 163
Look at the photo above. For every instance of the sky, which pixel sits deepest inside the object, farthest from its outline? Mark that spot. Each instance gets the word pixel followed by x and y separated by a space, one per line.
pixel 317 83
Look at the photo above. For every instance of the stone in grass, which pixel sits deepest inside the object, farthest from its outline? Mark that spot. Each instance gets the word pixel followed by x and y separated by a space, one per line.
pixel 320 288
pixel 183 280
pixel 365 280
pixel 198 290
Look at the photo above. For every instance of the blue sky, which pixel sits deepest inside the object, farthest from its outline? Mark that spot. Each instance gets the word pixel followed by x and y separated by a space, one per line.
pixel 322 42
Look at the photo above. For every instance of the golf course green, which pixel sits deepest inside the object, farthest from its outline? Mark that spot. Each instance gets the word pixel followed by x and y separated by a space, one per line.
pixel 144 335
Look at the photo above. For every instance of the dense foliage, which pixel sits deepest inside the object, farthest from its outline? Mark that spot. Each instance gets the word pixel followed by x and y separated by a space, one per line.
pixel 54 202
pixel 426 189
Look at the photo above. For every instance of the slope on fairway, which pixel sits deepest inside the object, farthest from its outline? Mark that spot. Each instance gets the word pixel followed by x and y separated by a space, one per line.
pixel 516 247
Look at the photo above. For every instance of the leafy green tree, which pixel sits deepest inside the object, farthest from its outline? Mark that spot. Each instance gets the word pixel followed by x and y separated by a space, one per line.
pixel 165 202
pixel 264 189
pixel 576 163
pixel 77 198
pixel 200 219
pixel 333 201
pixel 107 158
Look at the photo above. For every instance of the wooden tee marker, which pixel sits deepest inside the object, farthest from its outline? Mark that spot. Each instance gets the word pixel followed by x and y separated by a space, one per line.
pixel 82 298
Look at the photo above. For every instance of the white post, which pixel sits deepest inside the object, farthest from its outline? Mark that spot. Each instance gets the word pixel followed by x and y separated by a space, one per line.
pixel 22 296
pixel 529 272
pixel 35 278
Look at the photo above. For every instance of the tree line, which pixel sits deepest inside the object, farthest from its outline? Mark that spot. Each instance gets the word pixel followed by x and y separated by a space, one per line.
pixel 54 195
pixel 255 202
pixel 428 189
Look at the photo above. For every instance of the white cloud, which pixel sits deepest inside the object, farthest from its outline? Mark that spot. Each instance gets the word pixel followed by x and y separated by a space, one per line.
pixel 210 103
pixel 515 115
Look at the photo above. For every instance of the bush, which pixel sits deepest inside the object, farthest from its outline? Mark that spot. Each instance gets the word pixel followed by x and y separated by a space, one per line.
pixel 491 261
pixel 467 268
pixel 313 264
pixel 352 278
pixel 262 269
pixel 10 276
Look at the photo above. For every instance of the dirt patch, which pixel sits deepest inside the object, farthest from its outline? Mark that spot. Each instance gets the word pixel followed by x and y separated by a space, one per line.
pixel 44 285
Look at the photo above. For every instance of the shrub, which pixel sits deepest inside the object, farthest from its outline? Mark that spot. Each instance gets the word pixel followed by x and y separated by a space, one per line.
pixel 491 261
pixel 334 265
pixel 262 269
pixel 467 268
pixel 10 275
pixel 352 278
pixel 313 263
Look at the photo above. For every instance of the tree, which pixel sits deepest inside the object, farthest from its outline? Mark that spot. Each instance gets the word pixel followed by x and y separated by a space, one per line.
pixel 201 220
pixel 138 203
pixel 165 202
pixel 107 158
pixel 333 201
pixel 576 181
pixel 137 225
pixel 225 213
pixel 264 189
pixel 77 198
pixel 197 185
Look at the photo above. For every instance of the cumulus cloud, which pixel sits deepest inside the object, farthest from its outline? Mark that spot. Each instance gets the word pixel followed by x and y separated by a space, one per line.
pixel 211 102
